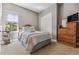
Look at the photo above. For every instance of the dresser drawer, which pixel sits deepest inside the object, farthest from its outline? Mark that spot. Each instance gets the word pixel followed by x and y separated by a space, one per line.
pixel 70 39
pixel 71 32
pixel 62 31
pixel 71 25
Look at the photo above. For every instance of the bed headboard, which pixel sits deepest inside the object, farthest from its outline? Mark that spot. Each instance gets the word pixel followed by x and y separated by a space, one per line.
pixel 29 26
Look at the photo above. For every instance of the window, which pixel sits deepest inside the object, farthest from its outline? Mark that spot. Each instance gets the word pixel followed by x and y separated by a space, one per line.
pixel 12 22
pixel 12 18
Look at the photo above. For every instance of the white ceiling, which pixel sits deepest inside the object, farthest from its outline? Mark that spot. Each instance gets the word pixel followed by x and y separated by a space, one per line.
pixel 37 7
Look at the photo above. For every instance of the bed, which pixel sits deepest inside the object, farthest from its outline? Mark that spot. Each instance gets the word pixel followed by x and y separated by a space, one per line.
pixel 34 40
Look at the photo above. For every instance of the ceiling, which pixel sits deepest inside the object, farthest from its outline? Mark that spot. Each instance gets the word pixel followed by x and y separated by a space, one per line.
pixel 36 7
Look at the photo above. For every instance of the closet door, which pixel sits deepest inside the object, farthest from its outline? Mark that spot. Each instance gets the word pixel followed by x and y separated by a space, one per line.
pixel 46 23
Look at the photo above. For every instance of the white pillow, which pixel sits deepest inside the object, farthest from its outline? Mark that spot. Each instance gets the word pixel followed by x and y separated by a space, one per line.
pixel 27 29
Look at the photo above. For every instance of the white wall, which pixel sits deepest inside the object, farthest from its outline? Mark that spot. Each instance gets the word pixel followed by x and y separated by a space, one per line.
pixel 53 10
pixel 25 16
pixel 68 9
pixel 0 24
pixel 0 12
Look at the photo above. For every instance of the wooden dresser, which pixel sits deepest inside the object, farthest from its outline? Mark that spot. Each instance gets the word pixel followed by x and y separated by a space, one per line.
pixel 70 34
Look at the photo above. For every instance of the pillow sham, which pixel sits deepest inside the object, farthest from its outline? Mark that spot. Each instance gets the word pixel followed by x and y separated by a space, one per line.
pixel 27 29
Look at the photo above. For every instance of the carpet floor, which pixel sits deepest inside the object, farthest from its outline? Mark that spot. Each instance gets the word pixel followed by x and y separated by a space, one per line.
pixel 15 48
pixel 57 49
pixel 52 49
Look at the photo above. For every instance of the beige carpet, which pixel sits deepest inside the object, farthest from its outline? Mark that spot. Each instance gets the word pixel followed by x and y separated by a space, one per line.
pixel 57 49
pixel 52 49
pixel 14 49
